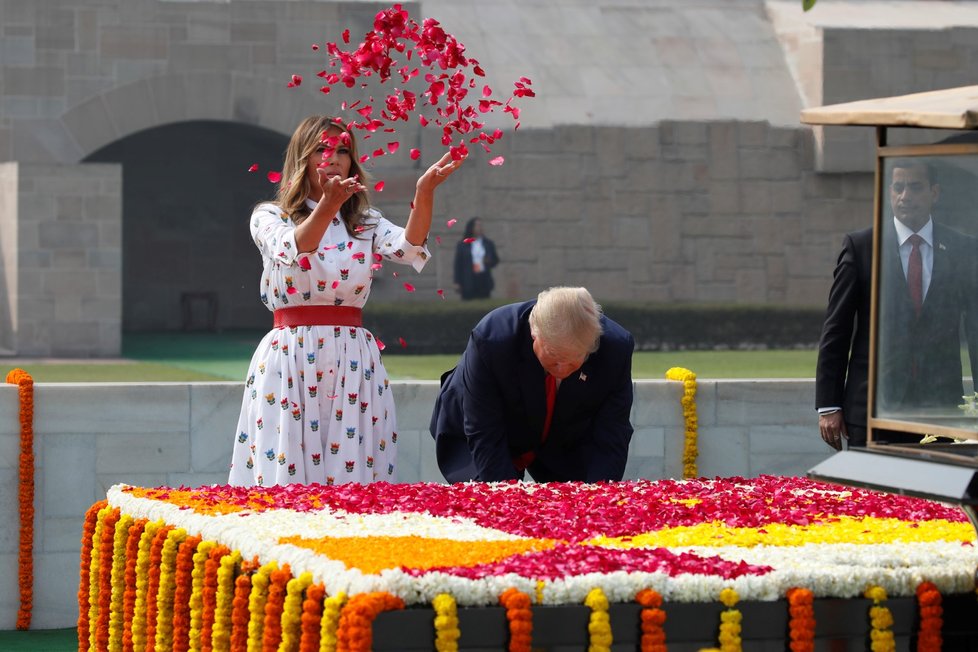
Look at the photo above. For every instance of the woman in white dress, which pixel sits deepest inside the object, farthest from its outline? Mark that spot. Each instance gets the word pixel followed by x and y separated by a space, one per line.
pixel 317 405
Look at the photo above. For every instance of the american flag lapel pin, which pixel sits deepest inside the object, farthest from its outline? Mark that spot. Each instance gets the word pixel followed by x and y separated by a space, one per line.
pixel 583 376
pixel 940 245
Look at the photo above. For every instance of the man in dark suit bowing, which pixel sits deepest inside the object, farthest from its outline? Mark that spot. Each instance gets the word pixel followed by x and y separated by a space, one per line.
pixel 544 386
pixel 927 284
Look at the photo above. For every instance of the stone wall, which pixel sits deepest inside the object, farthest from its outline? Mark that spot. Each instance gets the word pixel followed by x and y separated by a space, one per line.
pixel 89 437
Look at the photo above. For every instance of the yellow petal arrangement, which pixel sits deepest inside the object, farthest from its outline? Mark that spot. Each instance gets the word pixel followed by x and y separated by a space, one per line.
pixel 688 401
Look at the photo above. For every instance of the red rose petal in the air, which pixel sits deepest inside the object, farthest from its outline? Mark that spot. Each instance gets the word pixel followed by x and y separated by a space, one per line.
pixel 402 342
pixel 423 120
pixel 296 80
pixel 324 89
pixel 253 168
pixel 346 36
pixel 450 223
pixel 376 266
pixel 379 187
pixel 274 176
pixel 380 345
pixel 469 240
pixel 365 158
pixel 415 154
pixel 438 239
pixel 315 47
pixel 441 293
pixel 409 287
pixel 392 146
pixel 499 160
pixel 378 152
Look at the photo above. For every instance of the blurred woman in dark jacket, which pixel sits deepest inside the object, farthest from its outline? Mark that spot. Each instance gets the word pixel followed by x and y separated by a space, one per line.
pixel 475 256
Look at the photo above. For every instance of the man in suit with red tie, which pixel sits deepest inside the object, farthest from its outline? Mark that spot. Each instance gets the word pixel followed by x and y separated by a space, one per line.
pixel 543 386
pixel 927 284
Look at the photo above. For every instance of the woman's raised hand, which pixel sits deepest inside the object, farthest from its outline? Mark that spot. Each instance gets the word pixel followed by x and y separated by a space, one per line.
pixel 336 190
pixel 441 170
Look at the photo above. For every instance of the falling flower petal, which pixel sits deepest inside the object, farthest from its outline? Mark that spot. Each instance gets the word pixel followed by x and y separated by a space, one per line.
pixel 438 239
pixel 379 187
pixel 423 120
pixel 296 80
pixel 324 89
pixel 409 287
pixel 402 342
pixel 452 222
pixel 468 240
pixel 315 47
pixel 394 274
pixel 380 345
pixel 378 152
pixel 392 146
pixel 253 168
pixel 376 266
pixel 441 293
pixel 499 160
pixel 346 36
pixel 274 177
pixel 415 154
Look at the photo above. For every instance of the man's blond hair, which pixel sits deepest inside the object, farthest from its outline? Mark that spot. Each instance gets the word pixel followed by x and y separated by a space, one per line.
pixel 567 319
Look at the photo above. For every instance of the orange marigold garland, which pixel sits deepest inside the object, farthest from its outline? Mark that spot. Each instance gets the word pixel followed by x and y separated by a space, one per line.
pixel 87 542
pixel 95 579
pixel 210 598
pixel 312 615
pixel 25 494
pixel 129 598
pixel 182 592
pixel 801 620
pixel 520 619
pixel 201 554
pixel 118 580
pixel 237 635
pixel 274 604
pixel 355 632
pixel 931 618
pixel 653 618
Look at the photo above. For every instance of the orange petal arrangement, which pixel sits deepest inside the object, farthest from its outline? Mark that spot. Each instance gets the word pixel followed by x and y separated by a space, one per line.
pixel 219 567
pixel 25 557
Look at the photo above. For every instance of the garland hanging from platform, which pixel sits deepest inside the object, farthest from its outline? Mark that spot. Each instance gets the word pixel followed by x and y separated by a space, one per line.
pixel 691 423
pixel 25 493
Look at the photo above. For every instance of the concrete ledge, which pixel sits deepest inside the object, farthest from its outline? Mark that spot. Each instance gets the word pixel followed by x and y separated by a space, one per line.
pixel 91 436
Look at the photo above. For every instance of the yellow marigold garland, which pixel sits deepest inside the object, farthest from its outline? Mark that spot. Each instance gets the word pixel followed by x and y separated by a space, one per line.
pixel 881 621
pixel 142 583
pixel 197 593
pixel 730 622
pixel 520 619
pixel 129 599
pixel 292 611
pixel 653 618
pixel 84 582
pixel 447 632
pixel 153 586
pixel 688 401
pixel 25 496
pixel 167 589
pixel 118 581
pixel 931 621
pixel 331 621
pixel 801 620
pixel 94 574
pixel 225 594
pixel 599 626
pixel 256 605
pixel 355 632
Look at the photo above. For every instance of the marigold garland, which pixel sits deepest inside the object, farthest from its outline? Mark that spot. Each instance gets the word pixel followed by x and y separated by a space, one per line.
pixel 653 618
pixel 150 531
pixel 292 611
pixel 881 621
pixel 730 622
pixel 447 632
pixel 95 578
pixel 236 638
pixel 520 619
pixel 801 620
pixel 129 598
pixel 312 615
pixel 274 606
pixel 931 618
pixel 355 631
pixel 25 495
pixel 217 606
pixel 87 542
pixel 118 581
pixel 201 555
pixel 688 401
pixel 165 595
pixel 256 604
pixel 153 585
pixel 106 553
pixel 599 625
pixel 182 592
pixel 331 621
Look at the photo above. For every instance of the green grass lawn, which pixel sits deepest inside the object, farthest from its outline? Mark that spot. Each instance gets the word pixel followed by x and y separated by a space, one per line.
pixel 185 357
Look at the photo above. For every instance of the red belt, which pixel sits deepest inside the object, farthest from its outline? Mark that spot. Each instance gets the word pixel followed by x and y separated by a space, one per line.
pixel 319 316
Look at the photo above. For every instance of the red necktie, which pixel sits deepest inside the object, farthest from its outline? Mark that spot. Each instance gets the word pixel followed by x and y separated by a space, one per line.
pixel 915 274
pixel 550 385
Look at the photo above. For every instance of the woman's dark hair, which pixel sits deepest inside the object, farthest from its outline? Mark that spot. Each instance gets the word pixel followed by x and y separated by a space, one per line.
pixel 470 227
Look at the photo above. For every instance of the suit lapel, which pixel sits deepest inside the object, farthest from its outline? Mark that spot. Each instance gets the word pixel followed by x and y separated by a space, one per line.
pixel 530 376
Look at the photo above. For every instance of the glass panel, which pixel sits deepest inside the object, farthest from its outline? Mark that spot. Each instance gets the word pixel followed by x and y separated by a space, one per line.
pixel 927 337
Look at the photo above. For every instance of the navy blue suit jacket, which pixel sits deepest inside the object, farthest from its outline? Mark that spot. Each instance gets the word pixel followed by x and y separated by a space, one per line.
pixel 492 406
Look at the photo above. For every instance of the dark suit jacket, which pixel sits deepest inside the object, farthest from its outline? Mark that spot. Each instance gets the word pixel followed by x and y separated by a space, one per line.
pixel 474 285
pixel 931 341
pixel 492 406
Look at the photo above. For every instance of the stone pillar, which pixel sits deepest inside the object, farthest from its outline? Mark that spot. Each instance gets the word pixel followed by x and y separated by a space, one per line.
pixel 60 239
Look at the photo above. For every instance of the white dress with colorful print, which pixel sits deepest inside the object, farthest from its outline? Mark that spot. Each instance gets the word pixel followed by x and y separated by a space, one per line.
pixel 317 405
